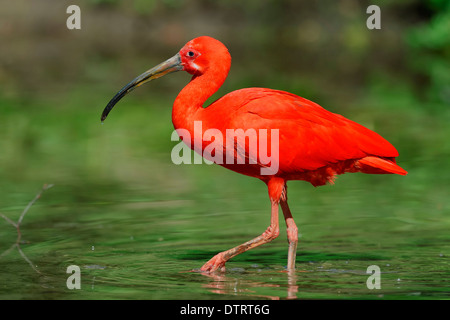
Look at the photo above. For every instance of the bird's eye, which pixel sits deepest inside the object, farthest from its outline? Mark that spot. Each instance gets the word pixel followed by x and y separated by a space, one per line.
pixel 190 53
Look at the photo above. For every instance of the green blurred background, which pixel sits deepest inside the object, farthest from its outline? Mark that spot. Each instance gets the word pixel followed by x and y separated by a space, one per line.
pixel 55 83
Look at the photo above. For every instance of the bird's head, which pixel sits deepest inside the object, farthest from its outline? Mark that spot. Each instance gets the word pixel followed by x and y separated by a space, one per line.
pixel 196 57
pixel 199 54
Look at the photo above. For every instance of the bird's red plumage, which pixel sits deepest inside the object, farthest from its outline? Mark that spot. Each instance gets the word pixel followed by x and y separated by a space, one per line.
pixel 315 144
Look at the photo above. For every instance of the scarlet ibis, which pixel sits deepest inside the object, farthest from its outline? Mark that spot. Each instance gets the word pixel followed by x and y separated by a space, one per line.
pixel 314 144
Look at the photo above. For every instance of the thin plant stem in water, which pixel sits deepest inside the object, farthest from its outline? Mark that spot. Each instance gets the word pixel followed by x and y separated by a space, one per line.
pixel 17 226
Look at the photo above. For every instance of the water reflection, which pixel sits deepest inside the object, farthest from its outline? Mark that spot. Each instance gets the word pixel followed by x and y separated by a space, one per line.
pixel 292 285
pixel 223 283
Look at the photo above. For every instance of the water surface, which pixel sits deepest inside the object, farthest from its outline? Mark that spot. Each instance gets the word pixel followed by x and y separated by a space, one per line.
pixel 144 244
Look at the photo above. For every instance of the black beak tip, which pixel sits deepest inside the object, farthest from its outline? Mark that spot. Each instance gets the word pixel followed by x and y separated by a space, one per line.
pixel 104 115
pixel 107 110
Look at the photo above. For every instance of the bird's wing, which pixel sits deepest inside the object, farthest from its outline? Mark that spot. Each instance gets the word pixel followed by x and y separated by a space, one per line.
pixel 310 137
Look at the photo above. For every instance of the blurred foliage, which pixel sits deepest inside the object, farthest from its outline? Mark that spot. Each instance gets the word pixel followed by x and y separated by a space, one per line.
pixel 430 51
pixel 317 49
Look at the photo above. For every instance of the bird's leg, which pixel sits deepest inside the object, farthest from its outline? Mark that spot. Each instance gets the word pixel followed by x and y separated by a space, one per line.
pixel 218 261
pixel 292 230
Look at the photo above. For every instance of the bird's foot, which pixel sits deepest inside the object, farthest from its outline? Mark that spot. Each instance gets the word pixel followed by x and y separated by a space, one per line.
pixel 215 263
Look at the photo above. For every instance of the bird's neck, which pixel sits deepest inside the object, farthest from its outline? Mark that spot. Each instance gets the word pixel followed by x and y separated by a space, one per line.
pixel 188 106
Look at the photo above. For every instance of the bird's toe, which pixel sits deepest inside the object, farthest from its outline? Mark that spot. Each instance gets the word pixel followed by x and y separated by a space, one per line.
pixel 215 263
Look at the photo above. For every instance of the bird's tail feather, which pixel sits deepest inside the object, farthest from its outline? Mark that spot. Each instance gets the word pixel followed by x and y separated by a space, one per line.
pixel 372 164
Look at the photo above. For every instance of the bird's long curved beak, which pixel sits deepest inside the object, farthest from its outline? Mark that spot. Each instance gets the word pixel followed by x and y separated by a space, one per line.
pixel 171 65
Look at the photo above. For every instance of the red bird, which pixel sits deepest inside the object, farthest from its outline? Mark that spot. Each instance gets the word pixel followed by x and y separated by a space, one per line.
pixel 313 144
